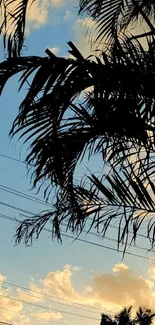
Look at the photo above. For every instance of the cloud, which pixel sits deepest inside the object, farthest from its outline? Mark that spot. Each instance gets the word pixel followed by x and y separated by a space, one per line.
pixel 48 315
pixel 83 29
pixel 122 287
pixel 2 278
pixel 32 296
pixel 67 14
pixel 58 3
pixel 151 272
pixel 37 14
pixel 111 291
pixel 54 50
pixel 77 268
pixel 21 320
pixel 60 283
pixel 85 32
pixel 9 308
pixel 114 290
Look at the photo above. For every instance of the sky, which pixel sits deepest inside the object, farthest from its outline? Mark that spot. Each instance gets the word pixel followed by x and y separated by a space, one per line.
pixel 93 277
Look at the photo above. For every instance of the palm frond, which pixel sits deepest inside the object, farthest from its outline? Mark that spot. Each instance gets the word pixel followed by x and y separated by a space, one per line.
pixel 112 17
pixel 12 28
pixel 117 116
pixel 144 316
pixel 118 112
pixel 121 197
pixel 124 317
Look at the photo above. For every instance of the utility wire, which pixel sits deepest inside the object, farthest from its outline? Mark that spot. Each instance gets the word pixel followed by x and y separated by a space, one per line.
pixel 4 323
pixel 44 202
pixel 11 158
pixel 111 239
pixel 106 247
pixel 55 302
pixel 32 214
pixel 30 315
pixel 48 308
pixel 89 242
pixel 23 195
pixel 49 205
pixel 49 295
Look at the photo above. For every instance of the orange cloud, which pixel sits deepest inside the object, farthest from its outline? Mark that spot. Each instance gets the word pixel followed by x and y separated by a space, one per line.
pixel 48 315
pixel 108 290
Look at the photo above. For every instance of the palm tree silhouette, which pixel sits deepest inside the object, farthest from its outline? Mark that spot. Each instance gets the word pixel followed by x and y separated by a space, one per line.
pixel 115 120
pixel 143 317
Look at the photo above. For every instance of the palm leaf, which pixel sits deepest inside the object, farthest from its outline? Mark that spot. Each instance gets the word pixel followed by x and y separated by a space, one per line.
pixel 114 118
pixel 58 82
pixel 13 17
pixel 112 17
pixel 118 198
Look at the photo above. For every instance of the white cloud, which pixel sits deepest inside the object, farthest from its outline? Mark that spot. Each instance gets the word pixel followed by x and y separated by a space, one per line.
pixel 151 272
pixel 77 268
pixel 38 13
pixel 2 278
pixel 67 14
pixel 60 283
pixel 55 50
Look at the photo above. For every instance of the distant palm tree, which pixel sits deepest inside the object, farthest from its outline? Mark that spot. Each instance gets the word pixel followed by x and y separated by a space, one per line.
pixel 143 317
pixel 115 120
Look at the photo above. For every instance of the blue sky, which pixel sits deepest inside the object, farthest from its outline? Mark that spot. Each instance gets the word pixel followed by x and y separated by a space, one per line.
pixel 78 272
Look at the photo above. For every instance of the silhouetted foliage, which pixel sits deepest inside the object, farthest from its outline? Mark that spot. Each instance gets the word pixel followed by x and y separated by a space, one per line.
pixel 116 119
pixel 143 316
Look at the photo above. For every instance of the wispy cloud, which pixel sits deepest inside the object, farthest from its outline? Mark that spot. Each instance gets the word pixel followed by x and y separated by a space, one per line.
pixel 55 50
pixel 67 14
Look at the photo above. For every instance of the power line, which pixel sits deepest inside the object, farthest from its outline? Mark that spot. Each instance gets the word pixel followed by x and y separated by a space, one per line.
pixel 56 302
pixel 112 239
pixel 17 208
pixel 32 214
pixel 23 195
pixel 11 158
pixel 36 200
pixel 106 247
pixel 43 202
pixel 48 308
pixel 90 242
pixel 51 296
pixel 30 315
pixel 4 323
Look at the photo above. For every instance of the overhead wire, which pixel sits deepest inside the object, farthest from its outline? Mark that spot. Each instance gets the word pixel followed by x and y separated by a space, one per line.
pixel 46 203
pixel 48 300
pixel 6 323
pixel 23 195
pixel 92 233
pixel 49 308
pixel 36 200
pixel 30 315
pixel 29 197
pixel 49 295
pixel 88 242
